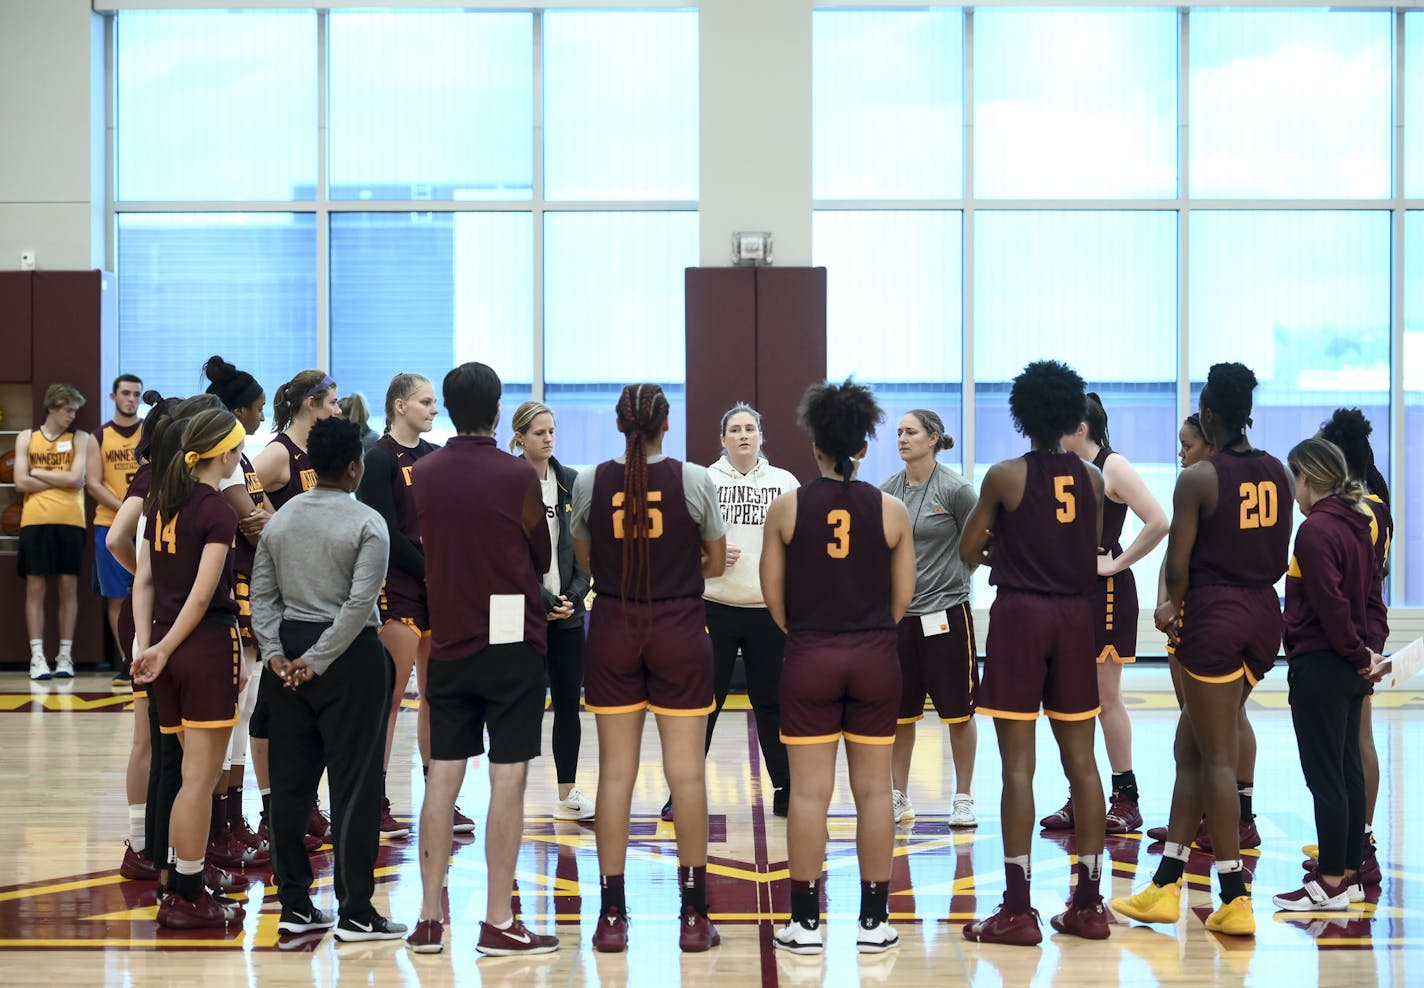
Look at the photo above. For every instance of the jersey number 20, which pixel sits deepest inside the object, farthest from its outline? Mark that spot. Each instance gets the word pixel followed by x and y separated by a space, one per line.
pixel 1258 504
pixel 839 520
pixel 655 515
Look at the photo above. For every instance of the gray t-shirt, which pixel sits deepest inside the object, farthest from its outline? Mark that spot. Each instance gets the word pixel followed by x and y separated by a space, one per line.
pixel 697 490
pixel 938 510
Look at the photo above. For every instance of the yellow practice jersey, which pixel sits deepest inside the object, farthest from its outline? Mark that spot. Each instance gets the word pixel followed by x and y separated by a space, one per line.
pixel 56 505
pixel 119 461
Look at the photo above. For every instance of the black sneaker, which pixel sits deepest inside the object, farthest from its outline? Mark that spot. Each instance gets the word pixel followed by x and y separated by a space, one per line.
pixel 666 813
pixel 372 927
pixel 304 920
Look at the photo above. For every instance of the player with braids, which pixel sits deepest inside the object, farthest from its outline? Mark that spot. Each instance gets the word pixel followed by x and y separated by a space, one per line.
pixel 650 531
pixel 1228 545
pixel 1037 526
pixel 838 572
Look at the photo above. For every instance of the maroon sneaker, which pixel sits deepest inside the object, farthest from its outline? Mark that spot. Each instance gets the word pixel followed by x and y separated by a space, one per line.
pixel 1003 926
pixel 227 850
pixel 390 826
pixel 202 913
pixel 1088 922
pixel 461 823
pixel 317 823
pixel 518 939
pixel 1370 872
pixel 610 936
pixel 1158 834
pixel 309 842
pixel 1059 819
pixel 136 867
pixel 696 933
pixel 248 836
pixel 1123 815
pixel 1247 835
pixel 428 937
pixel 222 880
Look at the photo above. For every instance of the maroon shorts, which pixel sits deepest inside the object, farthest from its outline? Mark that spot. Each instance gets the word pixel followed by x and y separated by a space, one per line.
pixel 1230 632
pixel 242 593
pixel 1040 654
pixel 1115 617
pixel 837 683
pixel 198 686
pixel 403 599
pixel 944 667
pixel 656 656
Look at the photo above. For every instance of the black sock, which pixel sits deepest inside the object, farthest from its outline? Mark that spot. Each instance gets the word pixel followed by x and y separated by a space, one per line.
pixel 806 902
pixel 425 771
pixel 1244 792
pixel 694 887
pixel 1233 884
pixel 188 886
pixel 874 902
pixel 612 893
pixel 1169 869
pixel 266 806
pixel 1125 785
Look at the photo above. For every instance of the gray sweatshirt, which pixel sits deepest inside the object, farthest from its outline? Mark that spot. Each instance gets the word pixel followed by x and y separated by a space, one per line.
pixel 322 558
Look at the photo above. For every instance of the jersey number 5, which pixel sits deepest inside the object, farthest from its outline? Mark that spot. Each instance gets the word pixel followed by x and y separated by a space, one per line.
pixel 839 520
pixel 1258 504
pixel 1067 502
pixel 655 515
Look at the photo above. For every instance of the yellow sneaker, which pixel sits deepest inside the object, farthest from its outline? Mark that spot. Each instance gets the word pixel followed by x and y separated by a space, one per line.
pixel 1234 919
pixel 1153 904
pixel 1310 850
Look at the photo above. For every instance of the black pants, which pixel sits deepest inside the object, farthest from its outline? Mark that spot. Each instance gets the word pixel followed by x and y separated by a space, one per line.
pixel 336 721
pixel 763 647
pixel 564 666
pixel 165 778
pixel 1326 696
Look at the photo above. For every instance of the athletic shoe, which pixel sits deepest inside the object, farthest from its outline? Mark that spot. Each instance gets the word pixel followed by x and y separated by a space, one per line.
pixel 516 940
pixel 318 825
pixel 1369 872
pixel 1311 852
pixel 800 937
pixel 461 824
pixel 901 807
pixel 610 936
pixel 202 913
pixel 1247 836
pixel 304 920
pixel 248 836
pixel 136 867
pixel 226 851
pixel 1315 896
pixel 1355 890
pixel 1088 922
pixel 1157 834
pixel 1234 918
pixel 695 931
pixel 781 802
pixel 1006 927
pixel 373 927
pixel 1061 819
pixel 64 667
pixel 390 826
pixel 666 813
pixel 123 679
pixel 963 813
pixel 428 937
pixel 39 668
pixel 1152 904
pixel 222 880
pixel 265 836
pixel 1123 815
pixel 576 806
pixel 875 936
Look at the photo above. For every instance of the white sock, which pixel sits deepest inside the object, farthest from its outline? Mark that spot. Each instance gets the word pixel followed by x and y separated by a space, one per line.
pixel 65 645
pixel 962 795
pixel 1179 851
pixel 265 792
pixel 137 838
pixel 1022 862
pixel 505 925
pixel 1094 864
pixel 37 648
pixel 189 867
pixel 1227 867
pixel 1369 830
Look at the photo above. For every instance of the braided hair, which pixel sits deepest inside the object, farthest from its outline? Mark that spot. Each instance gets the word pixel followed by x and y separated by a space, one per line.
pixel 642 415
pixel 1228 394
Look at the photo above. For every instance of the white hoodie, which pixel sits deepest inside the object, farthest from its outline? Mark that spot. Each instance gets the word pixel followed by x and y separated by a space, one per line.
pixel 745 499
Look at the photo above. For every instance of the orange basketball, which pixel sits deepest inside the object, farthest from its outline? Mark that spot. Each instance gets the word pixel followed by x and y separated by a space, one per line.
pixel 10 519
pixel 7 467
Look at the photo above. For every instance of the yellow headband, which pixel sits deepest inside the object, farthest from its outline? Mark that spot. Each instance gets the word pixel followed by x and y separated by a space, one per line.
pixel 229 442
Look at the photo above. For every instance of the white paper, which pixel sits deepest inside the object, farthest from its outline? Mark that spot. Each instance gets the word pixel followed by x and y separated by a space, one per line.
pixel 1406 662
pixel 506 618
pixel 935 624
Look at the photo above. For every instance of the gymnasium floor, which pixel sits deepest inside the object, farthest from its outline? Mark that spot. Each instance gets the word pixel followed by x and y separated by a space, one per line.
pixel 66 916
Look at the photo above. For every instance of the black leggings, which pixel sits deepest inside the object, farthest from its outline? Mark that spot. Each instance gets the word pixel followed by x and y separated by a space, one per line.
pixel 564 667
pixel 763 647
pixel 1326 696
pixel 165 778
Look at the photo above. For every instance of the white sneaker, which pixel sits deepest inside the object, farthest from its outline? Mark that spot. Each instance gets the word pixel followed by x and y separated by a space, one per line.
pixel 901 806
pixel 963 815
pixel 39 668
pixel 874 936
pixel 576 807
pixel 800 938
pixel 64 666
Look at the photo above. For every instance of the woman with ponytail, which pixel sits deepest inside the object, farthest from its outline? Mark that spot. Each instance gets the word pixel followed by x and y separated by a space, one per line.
pixel 837 573
pixel 283 467
pixel 187 638
pixel 649 530
pixel 1328 586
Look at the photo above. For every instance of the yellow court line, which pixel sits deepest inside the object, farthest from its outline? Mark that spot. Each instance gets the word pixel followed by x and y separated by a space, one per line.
pixel 87 883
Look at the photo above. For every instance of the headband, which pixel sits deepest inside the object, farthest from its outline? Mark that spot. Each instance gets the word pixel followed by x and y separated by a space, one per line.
pixel 229 442
pixel 244 397
pixel 322 385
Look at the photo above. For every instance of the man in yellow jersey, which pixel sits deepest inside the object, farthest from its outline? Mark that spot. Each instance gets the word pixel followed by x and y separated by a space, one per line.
pixel 49 471
pixel 112 464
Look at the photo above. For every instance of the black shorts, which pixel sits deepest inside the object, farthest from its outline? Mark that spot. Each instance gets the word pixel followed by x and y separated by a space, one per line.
pixel 50 550
pixel 501 688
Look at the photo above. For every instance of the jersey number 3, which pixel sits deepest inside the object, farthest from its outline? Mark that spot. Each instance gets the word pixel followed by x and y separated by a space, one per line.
pixel 655 515
pixel 839 520
pixel 1067 502
pixel 1258 504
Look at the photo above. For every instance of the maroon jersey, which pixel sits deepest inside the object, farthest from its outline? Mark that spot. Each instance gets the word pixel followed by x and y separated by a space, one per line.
pixel 837 562
pixel 1381 534
pixel 388 487
pixel 1328 584
pixel 300 475
pixel 142 481
pixel 674 543
pixel 470 496
pixel 1049 543
pixel 244 553
pixel 176 548
pixel 1246 541
pixel 1114 514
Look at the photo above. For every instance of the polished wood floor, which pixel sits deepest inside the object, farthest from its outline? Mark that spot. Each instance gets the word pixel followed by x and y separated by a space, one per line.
pixel 67 917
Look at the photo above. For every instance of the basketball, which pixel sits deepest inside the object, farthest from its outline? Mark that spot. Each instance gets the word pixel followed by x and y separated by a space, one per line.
pixel 7 467
pixel 10 519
